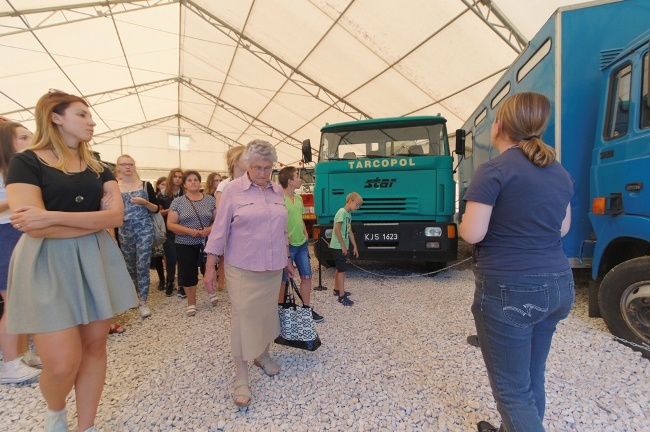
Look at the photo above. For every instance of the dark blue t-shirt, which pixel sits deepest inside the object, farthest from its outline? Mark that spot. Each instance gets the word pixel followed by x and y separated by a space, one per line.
pixel 529 204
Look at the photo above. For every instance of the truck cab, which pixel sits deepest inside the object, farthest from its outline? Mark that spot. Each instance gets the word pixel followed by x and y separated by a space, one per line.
pixel 402 168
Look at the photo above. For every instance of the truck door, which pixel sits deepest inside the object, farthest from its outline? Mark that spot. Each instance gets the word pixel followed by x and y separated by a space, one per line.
pixel 621 163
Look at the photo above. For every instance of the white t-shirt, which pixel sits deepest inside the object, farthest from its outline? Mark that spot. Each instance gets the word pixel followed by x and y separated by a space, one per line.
pixel 222 185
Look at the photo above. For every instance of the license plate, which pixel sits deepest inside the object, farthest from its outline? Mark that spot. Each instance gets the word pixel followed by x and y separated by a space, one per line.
pixel 381 237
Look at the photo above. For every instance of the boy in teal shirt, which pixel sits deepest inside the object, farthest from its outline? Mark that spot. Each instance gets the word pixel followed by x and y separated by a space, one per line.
pixel 298 239
pixel 340 244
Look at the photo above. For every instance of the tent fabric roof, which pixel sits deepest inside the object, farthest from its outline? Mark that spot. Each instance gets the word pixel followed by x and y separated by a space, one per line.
pixel 224 72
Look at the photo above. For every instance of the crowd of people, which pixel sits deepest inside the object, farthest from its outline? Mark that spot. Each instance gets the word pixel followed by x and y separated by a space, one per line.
pixel 59 206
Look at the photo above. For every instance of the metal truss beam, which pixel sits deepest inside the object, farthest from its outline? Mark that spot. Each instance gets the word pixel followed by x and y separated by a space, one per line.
pixel 116 133
pixel 63 15
pixel 492 16
pixel 228 141
pixel 310 86
pixel 252 121
pixel 106 96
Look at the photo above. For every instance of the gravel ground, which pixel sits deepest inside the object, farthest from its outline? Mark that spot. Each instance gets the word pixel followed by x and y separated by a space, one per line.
pixel 396 360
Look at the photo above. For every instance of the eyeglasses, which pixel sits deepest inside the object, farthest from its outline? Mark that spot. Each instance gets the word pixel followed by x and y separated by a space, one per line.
pixel 126 164
pixel 260 169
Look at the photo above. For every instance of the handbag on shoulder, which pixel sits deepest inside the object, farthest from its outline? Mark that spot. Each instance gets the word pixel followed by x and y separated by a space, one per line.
pixel 159 229
pixel 297 328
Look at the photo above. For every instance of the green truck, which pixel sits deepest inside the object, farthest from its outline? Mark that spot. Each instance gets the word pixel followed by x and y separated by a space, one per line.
pixel 403 169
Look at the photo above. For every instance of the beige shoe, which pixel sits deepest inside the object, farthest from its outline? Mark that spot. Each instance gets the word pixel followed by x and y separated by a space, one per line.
pixel 241 389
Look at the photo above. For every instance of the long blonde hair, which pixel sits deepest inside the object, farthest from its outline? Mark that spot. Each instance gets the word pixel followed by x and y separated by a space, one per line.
pixel 232 157
pixel 47 135
pixel 524 117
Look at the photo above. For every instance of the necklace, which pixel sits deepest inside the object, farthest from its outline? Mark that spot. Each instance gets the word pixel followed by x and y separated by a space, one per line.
pixel 72 147
pixel 79 198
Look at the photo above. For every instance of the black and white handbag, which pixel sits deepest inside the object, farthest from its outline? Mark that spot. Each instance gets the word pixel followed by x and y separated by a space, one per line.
pixel 297 328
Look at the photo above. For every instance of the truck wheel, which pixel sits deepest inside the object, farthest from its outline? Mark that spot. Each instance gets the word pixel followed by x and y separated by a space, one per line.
pixel 624 300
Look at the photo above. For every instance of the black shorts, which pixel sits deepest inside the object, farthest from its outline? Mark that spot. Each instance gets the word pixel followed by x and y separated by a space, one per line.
pixel 188 268
pixel 340 260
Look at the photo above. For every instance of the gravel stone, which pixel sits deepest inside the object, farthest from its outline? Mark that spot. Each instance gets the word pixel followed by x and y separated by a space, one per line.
pixel 396 360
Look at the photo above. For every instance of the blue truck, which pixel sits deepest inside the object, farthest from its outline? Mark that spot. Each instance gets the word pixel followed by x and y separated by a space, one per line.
pixel 591 61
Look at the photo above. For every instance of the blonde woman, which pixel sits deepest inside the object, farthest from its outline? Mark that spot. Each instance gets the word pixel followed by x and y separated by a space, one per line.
pixel 136 233
pixel 236 169
pixel 67 277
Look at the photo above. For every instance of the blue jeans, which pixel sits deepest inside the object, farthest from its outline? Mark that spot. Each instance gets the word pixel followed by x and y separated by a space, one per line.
pixel 300 256
pixel 515 319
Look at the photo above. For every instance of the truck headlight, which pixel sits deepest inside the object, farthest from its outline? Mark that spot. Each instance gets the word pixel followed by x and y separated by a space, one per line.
pixel 433 231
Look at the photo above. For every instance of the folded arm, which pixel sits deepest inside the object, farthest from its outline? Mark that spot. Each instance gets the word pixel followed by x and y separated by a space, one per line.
pixel 26 202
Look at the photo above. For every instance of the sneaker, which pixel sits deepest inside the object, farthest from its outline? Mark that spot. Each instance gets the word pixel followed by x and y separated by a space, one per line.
pixel 317 317
pixel 484 426
pixel 145 312
pixel 33 360
pixel 169 290
pixel 16 371
pixel 181 292
pixel 161 285
pixel 336 293
pixel 56 421
pixel 345 301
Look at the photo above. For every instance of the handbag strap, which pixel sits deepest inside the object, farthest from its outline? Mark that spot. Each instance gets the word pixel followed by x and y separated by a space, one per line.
pixel 297 291
pixel 195 211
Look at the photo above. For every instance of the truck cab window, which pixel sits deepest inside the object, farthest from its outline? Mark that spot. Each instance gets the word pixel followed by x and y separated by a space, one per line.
pixel 618 104
pixel 645 100
pixel 412 141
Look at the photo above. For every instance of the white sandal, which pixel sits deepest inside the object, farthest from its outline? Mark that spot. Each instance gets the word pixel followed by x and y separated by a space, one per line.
pixel 191 310
pixel 214 299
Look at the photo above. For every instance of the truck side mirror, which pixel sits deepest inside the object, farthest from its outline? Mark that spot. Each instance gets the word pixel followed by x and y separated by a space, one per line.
pixel 306 151
pixel 460 142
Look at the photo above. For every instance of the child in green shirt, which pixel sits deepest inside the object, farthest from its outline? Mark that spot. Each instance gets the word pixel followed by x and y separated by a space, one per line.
pixel 340 244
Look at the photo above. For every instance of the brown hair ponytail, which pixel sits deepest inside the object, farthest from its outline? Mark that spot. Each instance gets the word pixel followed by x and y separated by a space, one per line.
pixel 524 117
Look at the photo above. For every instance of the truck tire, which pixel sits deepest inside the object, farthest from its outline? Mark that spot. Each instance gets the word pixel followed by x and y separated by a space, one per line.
pixel 624 299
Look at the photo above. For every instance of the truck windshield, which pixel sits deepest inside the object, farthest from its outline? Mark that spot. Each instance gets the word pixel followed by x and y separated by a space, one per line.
pixel 429 140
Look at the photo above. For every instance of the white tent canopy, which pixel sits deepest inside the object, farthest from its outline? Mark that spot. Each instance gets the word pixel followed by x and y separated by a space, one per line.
pixel 177 82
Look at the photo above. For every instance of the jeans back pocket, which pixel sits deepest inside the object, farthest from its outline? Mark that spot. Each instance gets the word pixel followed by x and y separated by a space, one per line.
pixel 524 306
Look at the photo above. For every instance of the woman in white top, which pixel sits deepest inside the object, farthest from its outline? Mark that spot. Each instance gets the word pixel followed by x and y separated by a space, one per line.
pixel 236 168
pixel 15 347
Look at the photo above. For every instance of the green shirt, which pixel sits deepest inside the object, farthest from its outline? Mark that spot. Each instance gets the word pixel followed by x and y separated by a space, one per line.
pixel 345 218
pixel 295 225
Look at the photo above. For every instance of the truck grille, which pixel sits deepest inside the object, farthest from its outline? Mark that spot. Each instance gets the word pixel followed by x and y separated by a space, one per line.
pixel 389 205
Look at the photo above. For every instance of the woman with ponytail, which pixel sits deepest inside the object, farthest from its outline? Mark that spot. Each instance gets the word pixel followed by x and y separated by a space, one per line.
pixel 518 209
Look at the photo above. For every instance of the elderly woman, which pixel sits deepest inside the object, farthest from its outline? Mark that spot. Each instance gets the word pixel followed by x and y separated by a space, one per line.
pixel 251 227
pixel 190 218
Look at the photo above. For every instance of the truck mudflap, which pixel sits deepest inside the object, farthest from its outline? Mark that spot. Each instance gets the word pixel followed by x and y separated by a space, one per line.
pixel 397 241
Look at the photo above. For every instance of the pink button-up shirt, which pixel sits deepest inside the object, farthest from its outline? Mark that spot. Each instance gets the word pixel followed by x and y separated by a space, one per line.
pixel 250 228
